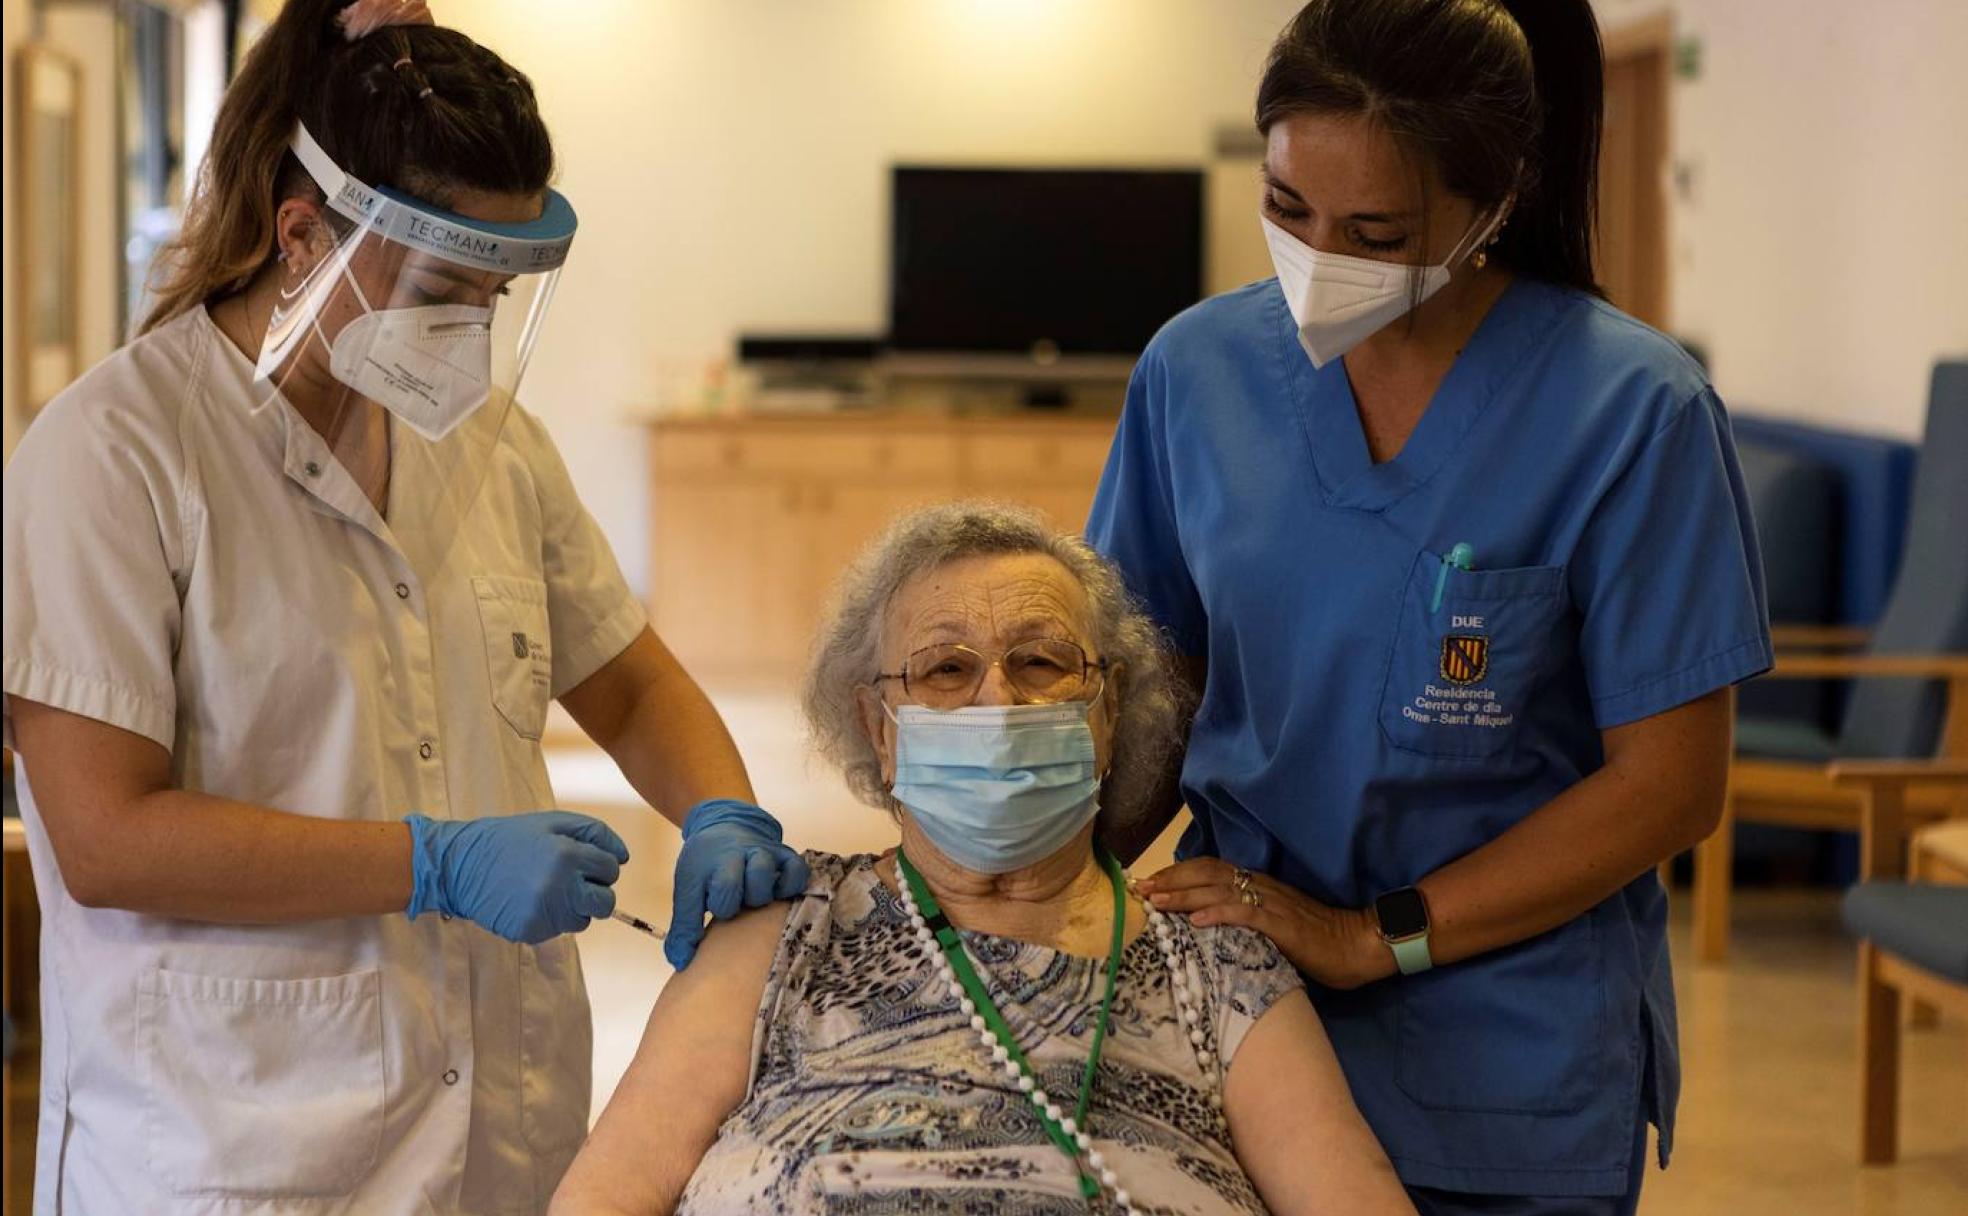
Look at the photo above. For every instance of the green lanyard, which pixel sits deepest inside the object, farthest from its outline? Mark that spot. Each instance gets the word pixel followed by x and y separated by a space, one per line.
pixel 946 936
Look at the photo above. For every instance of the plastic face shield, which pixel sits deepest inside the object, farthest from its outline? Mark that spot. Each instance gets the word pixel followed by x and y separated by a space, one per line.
pixel 429 314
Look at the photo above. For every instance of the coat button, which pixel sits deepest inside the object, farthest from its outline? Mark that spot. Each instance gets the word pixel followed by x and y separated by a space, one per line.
pixel 425 749
pixel 313 469
pixel 403 591
pixel 450 1076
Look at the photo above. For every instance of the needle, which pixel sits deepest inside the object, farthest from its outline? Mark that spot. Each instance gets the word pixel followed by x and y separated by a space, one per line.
pixel 636 922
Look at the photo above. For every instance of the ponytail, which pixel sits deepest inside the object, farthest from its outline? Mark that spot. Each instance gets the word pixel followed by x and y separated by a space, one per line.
pixel 1503 97
pixel 1550 234
pixel 420 108
pixel 227 235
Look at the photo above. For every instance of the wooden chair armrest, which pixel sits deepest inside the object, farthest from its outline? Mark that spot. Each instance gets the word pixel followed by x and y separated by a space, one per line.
pixel 1852 666
pixel 1819 637
pixel 1882 814
pixel 1900 772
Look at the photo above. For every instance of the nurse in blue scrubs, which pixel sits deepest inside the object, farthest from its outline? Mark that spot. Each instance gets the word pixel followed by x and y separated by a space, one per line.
pixel 1460 560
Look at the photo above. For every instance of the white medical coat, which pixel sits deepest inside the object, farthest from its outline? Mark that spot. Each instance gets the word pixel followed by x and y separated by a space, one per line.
pixel 207 576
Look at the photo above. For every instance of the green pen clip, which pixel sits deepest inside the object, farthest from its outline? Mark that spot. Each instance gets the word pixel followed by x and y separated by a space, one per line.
pixel 1461 557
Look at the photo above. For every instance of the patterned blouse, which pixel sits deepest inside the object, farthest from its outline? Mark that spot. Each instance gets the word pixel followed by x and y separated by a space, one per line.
pixel 870 1093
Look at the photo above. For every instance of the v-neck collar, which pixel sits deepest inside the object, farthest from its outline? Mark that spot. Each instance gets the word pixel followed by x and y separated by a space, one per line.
pixel 303 455
pixel 432 484
pixel 1323 397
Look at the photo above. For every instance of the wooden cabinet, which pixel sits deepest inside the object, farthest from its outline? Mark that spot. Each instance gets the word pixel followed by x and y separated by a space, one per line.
pixel 755 518
pixel 1053 470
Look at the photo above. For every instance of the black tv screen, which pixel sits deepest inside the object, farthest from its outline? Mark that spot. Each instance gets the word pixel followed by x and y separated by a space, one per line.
pixel 1090 261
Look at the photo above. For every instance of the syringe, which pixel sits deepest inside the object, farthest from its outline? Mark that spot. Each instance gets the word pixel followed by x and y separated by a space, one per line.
pixel 636 922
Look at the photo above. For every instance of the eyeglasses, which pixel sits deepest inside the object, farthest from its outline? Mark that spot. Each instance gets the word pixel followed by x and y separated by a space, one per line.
pixel 1044 671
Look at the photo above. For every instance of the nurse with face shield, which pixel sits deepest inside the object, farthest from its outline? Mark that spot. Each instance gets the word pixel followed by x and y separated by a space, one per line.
pixel 290 582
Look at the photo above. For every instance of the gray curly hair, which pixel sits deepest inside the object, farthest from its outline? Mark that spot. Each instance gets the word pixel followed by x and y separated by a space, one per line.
pixel 1148 707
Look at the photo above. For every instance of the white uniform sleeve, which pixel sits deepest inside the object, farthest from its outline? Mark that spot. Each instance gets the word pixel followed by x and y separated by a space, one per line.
pixel 94 534
pixel 591 611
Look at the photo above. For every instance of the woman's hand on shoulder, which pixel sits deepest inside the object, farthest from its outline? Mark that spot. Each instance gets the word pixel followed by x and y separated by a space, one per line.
pixel 1338 947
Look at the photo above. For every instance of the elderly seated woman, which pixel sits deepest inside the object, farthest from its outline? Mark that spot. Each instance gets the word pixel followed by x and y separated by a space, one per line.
pixel 983 1019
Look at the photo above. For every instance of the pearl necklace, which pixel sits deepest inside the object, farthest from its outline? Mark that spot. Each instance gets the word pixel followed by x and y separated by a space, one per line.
pixel 1186 1006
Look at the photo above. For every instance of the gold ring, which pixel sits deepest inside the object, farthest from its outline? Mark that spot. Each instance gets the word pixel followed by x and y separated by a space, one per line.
pixel 1240 878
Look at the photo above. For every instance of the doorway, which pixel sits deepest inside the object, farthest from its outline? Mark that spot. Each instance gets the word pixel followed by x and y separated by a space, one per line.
pixel 1630 247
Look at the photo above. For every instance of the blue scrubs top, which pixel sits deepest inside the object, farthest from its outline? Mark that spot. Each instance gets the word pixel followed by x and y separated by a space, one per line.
pixel 1353 737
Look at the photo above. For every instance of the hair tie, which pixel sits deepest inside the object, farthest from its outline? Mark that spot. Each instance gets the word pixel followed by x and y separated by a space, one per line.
pixel 418 81
pixel 365 17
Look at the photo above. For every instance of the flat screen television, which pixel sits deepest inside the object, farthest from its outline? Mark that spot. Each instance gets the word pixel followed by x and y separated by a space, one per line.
pixel 1018 261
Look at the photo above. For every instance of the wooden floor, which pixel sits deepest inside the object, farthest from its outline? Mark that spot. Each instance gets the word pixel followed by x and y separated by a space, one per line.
pixel 1769 1100
pixel 1768 1108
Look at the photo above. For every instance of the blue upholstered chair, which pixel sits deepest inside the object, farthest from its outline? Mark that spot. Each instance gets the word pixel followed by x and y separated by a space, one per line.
pixel 1873 476
pixel 1913 936
pixel 1910 696
pixel 1796 496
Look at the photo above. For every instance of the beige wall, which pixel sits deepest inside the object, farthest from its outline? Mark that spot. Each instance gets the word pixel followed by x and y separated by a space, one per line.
pixel 1820 245
pixel 729 162
pixel 731 158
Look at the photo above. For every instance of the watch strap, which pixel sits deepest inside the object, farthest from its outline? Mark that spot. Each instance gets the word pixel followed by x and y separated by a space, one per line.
pixel 1411 955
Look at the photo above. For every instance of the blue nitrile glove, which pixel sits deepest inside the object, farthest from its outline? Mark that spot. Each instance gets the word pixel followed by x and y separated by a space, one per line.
pixel 526 878
pixel 731 859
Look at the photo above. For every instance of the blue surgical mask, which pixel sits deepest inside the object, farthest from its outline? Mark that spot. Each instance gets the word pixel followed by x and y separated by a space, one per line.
pixel 996 787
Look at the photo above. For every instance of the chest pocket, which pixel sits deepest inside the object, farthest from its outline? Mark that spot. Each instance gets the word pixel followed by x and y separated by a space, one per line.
pixel 512 614
pixel 1460 675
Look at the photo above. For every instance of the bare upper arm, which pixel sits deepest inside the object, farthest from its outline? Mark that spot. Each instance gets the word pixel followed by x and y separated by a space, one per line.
pixel 1296 1130
pixel 85 772
pixel 601 704
pixel 688 1075
pixel 1700 730
pixel 1688 746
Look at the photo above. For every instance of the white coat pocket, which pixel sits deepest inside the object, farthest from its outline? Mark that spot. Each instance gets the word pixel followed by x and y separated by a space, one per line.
pixel 512 614
pixel 261 1088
